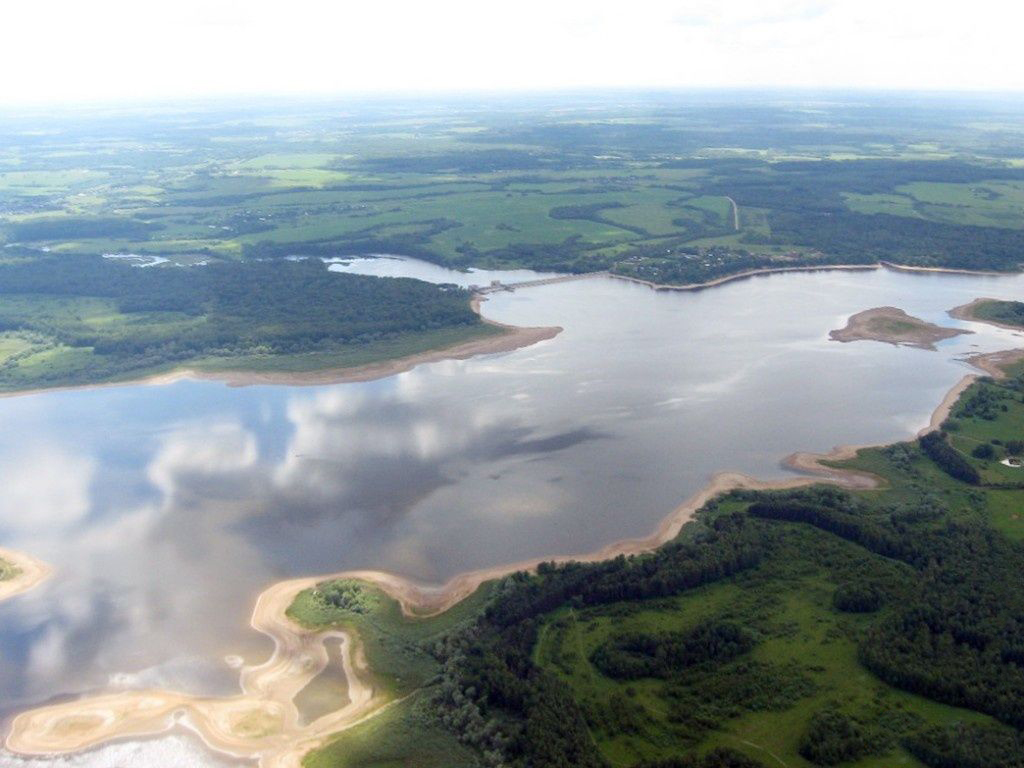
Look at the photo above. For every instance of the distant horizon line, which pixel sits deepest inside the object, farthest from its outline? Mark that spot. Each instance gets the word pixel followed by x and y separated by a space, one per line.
pixel 453 95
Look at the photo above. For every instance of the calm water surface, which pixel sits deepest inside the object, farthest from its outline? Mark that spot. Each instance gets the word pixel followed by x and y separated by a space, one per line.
pixel 167 509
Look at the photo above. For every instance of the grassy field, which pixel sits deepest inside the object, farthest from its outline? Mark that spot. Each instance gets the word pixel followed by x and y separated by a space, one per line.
pixel 479 185
pixel 789 607
pixel 989 203
pixel 397 647
pixel 1008 313
pixel 398 652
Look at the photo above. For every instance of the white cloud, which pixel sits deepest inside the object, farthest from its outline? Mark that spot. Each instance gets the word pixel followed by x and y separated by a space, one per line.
pixel 44 488
pixel 66 50
pixel 202 450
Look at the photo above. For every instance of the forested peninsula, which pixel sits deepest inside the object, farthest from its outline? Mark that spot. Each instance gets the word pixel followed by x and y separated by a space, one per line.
pixel 77 319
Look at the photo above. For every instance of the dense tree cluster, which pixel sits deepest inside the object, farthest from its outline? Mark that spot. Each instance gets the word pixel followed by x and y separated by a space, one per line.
pixel 982 402
pixel 952 633
pixel 499 701
pixel 344 595
pixel 833 737
pixel 968 746
pixel 866 238
pixel 957 635
pixel 635 655
pixel 948 459
pixel 224 308
pixel 716 758
pixel 1007 312
pixel 857 598
pixel 673 262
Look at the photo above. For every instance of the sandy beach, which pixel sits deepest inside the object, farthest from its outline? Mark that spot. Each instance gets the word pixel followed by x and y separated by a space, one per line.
pixel 262 722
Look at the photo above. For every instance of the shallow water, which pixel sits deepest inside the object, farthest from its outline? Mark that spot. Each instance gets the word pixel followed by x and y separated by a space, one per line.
pixel 328 691
pixel 403 266
pixel 166 509
pixel 177 750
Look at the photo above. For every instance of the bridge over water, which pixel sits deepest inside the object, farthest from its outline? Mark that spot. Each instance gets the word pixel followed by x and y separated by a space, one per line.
pixel 497 285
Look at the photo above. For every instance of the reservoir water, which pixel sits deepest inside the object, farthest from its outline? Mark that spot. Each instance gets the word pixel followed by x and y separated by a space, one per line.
pixel 166 509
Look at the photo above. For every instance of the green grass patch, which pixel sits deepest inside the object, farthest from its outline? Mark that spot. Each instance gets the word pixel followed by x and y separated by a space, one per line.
pixel 405 735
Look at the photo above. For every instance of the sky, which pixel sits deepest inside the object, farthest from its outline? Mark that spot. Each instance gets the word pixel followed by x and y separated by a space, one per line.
pixel 66 51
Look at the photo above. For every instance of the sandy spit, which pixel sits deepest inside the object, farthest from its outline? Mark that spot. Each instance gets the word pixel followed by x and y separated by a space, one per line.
pixel 31 573
pixel 262 722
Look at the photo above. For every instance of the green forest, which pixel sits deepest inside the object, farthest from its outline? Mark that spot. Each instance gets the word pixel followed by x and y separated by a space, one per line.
pixel 812 627
pixel 76 319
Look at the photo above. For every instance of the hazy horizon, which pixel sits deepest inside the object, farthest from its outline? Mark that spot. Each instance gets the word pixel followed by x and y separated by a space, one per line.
pixel 114 51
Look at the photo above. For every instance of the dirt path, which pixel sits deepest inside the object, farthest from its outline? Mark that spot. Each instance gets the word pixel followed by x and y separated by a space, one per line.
pixel 735 214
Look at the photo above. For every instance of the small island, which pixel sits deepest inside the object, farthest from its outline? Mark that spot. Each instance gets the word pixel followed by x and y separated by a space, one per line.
pixel 1002 314
pixel 8 570
pixel 893 326
pixel 19 573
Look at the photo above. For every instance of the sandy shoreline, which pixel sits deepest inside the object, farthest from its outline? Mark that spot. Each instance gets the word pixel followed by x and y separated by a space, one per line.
pixel 262 722
pixel 30 573
pixel 805 268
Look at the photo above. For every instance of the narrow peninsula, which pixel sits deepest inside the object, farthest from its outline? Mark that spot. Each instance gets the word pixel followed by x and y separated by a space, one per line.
pixel 1001 314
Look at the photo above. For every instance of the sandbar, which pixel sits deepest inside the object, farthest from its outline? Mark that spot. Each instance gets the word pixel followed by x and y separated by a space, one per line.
pixel 893 326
